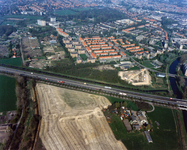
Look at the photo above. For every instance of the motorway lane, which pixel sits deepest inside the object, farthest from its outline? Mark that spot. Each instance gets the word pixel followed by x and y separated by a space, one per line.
pixel 96 87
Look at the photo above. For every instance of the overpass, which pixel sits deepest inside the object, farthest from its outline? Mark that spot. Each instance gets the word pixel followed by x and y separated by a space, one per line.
pixel 93 87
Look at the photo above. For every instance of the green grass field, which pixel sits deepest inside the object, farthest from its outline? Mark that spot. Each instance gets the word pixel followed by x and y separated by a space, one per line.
pixel 134 68
pixel 7 86
pixel 13 22
pixel 64 12
pixel 130 104
pixel 70 11
pixel 83 56
pixel 82 9
pixel 23 16
pixel 147 63
pixel 164 138
pixel 7 93
pixel 12 61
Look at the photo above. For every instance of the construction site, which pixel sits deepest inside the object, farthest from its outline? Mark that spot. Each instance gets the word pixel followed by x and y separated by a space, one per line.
pixel 74 120
pixel 136 77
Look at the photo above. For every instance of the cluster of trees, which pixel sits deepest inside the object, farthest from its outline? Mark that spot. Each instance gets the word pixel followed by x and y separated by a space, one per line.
pixel 67 53
pixel 6 30
pixel 100 15
pixel 167 57
pixel 180 80
pixel 167 21
pixel 21 23
pixel 42 31
pixel 120 104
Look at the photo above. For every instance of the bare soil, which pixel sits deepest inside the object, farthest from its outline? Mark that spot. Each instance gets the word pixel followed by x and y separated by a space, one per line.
pixel 104 67
pixel 4 121
pixel 73 120
pixel 28 45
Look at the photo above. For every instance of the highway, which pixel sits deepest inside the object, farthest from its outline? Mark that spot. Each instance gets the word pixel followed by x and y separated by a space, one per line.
pixel 90 86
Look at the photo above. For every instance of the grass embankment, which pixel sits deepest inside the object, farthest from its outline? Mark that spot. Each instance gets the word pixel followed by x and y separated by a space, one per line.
pixel 163 136
pixel 87 71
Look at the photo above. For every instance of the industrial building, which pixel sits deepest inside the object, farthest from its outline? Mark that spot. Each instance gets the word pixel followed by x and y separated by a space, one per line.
pixel 41 22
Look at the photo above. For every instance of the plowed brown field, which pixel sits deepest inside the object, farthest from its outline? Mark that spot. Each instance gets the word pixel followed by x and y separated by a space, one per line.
pixel 73 120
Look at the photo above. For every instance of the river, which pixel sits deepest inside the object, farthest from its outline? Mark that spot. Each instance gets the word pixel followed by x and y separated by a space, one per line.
pixel 172 69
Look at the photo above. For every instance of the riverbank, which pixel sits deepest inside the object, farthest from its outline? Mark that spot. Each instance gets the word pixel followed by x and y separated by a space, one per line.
pixel 179 116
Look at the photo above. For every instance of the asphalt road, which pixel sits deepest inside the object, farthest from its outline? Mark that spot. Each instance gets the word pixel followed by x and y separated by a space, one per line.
pixel 110 90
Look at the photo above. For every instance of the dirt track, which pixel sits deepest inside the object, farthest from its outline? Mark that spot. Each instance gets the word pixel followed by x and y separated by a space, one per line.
pixel 73 120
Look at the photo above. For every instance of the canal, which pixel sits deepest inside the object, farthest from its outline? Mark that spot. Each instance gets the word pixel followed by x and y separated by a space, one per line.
pixel 175 89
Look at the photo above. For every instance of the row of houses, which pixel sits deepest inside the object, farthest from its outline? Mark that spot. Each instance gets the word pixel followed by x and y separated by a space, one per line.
pixel 147 25
pixel 103 48
pixel 136 120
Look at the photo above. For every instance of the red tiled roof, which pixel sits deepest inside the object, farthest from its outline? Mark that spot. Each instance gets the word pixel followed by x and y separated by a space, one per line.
pixel 93 55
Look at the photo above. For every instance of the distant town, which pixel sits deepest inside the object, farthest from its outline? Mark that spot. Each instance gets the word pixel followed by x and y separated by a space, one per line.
pixel 104 46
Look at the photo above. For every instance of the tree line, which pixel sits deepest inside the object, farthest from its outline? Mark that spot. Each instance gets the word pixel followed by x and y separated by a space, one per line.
pixel 6 30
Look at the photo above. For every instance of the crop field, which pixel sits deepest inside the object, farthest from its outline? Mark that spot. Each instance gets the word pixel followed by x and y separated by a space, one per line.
pixel 74 120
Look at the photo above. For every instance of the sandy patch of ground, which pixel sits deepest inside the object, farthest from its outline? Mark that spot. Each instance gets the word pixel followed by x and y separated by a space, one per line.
pixel 104 67
pixel 49 49
pixel 73 120
pixel 136 77
pixel 31 47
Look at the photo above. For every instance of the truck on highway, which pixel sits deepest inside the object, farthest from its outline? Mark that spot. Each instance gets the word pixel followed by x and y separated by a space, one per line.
pixel 107 87
pixel 122 93
pixel 61 81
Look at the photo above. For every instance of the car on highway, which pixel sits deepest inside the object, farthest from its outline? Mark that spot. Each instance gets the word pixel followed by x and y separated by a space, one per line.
pixel 31 72
pixel 85 83
pixel 107 87
pixel 170 98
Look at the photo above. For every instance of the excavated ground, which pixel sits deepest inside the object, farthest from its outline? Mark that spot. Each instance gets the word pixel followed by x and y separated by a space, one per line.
pixel 73 120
